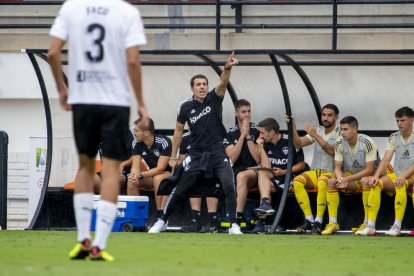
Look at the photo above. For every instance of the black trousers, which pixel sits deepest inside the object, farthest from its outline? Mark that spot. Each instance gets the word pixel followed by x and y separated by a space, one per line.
pixel 221 169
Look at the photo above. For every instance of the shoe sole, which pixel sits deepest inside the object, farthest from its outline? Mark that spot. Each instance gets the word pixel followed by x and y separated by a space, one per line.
pixel 390 235
pixel 263 213
pixel 301 230
pixel 333 232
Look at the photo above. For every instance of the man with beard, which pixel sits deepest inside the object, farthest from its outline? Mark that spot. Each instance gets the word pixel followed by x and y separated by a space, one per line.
pixel 242 149
pixel 323 137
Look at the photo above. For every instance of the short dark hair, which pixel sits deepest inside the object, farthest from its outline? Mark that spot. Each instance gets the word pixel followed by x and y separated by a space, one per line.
pixel 270 124
pixel 351 120
pixel 199 76
pixel 149 127
pixel 404 111
pixel 333 107
pixel 240 103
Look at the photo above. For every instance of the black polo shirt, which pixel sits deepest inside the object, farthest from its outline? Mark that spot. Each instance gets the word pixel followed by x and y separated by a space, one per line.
pixel 245 159
pixel 278 154
pixel 205 122
pixel 160 147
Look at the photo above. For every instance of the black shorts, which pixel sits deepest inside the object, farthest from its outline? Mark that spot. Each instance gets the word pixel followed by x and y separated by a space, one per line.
pixel 96 124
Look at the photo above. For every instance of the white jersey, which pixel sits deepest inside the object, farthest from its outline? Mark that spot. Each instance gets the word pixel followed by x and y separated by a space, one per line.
pixel 321 159
pixel 404 151
pixel 354 159
pixel 98 32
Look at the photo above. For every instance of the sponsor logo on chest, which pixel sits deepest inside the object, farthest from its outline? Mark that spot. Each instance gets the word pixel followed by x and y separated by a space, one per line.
pixel 204 112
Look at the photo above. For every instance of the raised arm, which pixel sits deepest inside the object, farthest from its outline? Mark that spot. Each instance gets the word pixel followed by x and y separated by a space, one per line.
pixel 225 75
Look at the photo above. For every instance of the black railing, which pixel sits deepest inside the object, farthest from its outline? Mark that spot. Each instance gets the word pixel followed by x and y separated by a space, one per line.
pixel 238 26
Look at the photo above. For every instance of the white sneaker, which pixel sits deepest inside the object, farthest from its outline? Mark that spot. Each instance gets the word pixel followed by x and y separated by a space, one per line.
pixel 394 231
pixel 159 226
pixel 367 231
pixel 235 229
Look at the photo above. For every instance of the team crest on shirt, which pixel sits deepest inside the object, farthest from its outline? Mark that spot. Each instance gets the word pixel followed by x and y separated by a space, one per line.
pixel 157 152
pixel 144 153
pixel 285 150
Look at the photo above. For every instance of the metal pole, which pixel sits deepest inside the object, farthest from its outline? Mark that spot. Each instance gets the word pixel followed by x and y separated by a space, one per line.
pixel 239 16
pixel 334 24
pixel 288 176
pixel 49 135
pixel 4 141
pixel 218 22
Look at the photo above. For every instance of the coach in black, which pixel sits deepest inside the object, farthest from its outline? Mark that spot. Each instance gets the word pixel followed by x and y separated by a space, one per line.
pixel 203 114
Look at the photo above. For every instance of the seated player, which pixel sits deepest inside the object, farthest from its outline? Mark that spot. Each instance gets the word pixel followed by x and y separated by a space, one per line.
pixel 356 156
pixel 274 150
pixel 323 137
pixel 401 144
pixel 155 150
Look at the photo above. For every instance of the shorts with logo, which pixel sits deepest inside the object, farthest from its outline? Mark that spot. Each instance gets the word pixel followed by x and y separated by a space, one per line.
pixel 96 124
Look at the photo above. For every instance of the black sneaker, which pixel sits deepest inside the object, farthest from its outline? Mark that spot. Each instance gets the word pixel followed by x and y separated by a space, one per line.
pixel 209 229
pixel 307 225
pixel 264 210
pixel 193 227
pixel 317 228
pixel 258 228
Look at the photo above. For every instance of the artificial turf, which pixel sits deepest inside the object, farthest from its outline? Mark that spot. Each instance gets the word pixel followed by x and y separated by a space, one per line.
pixel 45 253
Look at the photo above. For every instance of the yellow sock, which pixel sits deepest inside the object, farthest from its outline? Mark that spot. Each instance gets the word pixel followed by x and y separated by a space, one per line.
pixel 301 195
pixel 332 197
pixel 365 194
pixel 374 201
pixel 400 201
pixel 321 198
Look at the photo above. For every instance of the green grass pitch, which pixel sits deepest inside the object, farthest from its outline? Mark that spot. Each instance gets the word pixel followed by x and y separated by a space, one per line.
pixel 45 253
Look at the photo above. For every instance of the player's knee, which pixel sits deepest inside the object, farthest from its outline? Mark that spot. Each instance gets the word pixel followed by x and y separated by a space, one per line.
pixel 332 183
pixel 299 182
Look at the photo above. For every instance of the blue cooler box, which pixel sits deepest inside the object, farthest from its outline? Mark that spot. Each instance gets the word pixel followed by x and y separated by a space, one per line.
pixel 131 215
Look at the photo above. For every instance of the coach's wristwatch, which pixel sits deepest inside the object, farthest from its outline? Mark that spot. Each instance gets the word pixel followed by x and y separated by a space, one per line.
pixel 249 138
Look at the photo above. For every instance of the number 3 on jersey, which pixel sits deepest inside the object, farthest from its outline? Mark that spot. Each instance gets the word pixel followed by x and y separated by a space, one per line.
pixel 98 32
